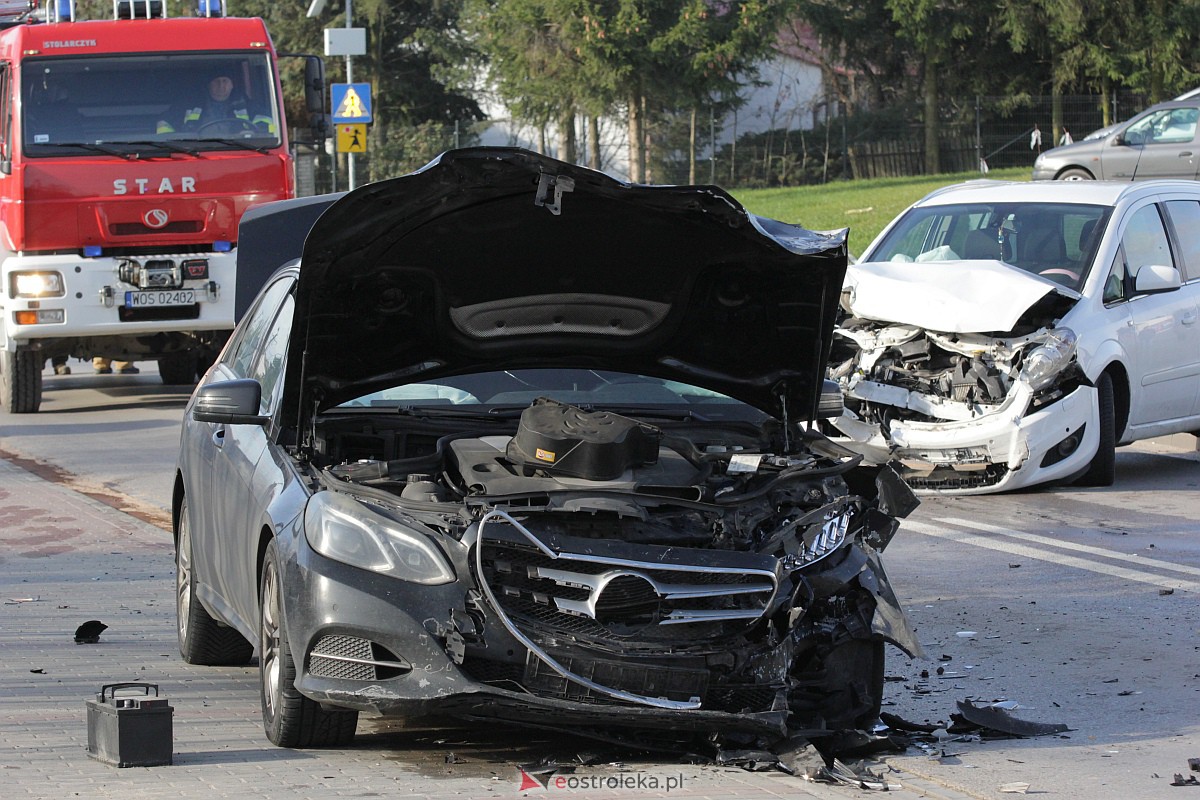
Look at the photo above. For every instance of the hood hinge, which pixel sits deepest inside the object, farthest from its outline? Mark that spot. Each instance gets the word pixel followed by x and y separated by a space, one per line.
pixel 560 184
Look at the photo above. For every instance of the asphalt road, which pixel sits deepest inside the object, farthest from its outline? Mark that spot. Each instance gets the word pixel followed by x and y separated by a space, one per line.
pixel 1078 605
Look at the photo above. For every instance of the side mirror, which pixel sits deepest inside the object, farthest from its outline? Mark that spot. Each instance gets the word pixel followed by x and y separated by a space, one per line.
pixel 314 84
pixel 229 402
pixel 320 125
pixel 1156 278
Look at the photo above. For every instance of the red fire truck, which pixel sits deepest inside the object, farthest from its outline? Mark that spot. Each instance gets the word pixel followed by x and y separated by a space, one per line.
pixel 124 171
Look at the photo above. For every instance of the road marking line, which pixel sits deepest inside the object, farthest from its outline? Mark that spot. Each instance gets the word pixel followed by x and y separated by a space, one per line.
pixel 1053 558
pixel 1082 548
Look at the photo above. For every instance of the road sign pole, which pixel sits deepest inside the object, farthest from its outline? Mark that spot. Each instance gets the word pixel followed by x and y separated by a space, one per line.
pixel 349 79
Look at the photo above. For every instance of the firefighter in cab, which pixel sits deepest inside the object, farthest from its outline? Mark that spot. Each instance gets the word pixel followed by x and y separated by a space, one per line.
pixel 221 111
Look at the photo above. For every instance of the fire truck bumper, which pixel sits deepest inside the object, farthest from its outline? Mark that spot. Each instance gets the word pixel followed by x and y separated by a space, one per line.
pixel 68 296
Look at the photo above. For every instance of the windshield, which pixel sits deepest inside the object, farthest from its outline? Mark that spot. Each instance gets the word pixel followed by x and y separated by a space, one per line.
pixel 597 389
pixel 1055 240
pixel 179 102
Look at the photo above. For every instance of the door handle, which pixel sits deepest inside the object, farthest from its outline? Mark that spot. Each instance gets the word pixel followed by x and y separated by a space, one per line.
pixel 219 436
pixel 1185 155
pixel 1188 318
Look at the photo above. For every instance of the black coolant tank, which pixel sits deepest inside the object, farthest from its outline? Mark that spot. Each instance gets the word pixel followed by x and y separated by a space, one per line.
pixel 561 439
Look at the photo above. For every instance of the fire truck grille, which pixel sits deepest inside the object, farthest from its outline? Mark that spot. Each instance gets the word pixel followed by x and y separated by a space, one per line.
pixel 138 229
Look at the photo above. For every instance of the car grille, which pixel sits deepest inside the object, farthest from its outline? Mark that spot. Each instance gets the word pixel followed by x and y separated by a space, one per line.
pixel 641 597
pixel 950 478
pixel 354 659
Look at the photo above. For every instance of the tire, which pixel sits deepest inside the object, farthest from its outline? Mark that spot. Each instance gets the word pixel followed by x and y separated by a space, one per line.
pixel 1075 174
pixel 1103 469
pixel 289 718
pixel 21 381
pixel 178 369
pixel 202 640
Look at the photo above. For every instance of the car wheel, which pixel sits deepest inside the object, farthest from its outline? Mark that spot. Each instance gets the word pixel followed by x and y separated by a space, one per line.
pixel 289 718
pixel 21 381
pixel 202 640
pixel 178 368
pixel 1102 471
pixel 1075 175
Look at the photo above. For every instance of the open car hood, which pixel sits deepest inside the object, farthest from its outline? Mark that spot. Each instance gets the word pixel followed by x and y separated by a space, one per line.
pixel 498 258
pixel 947 296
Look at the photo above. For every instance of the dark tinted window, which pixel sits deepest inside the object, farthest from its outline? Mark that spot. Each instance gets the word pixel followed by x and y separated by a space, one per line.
pixel 254 328
pixel 268 369
pixel 1185 216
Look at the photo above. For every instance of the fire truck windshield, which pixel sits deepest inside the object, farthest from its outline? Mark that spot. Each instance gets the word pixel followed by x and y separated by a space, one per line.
pixel 182 103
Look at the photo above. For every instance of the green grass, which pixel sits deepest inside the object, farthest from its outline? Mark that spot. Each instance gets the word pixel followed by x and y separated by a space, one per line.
pixel 864 207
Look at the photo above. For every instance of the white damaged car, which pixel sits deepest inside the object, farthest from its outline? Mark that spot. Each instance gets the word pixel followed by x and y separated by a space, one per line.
pixel 1000 335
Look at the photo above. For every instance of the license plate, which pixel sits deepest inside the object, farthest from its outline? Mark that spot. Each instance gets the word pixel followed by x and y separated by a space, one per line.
pixel 173 297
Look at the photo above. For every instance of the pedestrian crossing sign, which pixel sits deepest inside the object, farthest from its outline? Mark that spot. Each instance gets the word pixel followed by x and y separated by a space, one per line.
pixel 351 102
pixel 352 138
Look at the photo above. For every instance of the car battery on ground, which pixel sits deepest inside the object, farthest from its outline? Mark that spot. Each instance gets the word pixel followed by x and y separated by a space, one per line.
pixel 128 729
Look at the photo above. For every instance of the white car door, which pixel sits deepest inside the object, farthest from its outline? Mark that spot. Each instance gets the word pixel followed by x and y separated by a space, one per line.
pixel 1165 340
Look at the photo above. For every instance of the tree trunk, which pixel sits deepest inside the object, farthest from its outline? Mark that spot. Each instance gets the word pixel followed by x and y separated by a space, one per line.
pixel 635 139
pixel 692 149
pixel 593 134
pixel 566 137
pixel 932 164
pixel 1106 108
pixel 1056 113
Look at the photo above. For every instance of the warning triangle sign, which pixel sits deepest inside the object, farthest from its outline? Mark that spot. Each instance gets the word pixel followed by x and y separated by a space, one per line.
pixel 351 106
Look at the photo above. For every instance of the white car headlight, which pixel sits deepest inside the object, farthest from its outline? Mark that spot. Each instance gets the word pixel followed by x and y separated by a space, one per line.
pixel 341 528
pixel 1043 363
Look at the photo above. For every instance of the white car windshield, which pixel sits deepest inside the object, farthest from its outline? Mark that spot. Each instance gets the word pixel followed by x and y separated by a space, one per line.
pixel 1055 240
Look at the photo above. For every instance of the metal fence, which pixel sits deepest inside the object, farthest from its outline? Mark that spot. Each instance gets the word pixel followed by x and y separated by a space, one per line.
pixel 996 131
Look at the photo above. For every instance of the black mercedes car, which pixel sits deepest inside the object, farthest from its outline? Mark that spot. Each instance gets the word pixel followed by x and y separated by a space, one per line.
pixel 514 440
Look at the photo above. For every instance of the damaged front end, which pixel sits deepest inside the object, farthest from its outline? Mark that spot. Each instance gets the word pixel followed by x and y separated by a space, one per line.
pixel 710 578
pixel 962 412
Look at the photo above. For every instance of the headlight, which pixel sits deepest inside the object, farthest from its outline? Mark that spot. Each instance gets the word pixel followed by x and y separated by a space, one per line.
pixel 1043 363
pixel 341 528
pixel 37 284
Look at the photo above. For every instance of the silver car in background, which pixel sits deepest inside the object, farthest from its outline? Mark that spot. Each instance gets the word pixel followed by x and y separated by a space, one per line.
pixel 1158 143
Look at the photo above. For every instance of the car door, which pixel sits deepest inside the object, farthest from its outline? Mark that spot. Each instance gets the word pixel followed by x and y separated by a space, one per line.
pixel 252 471
pixel 223 454
pixel 1164 352
pixel 1166 143
pixel 1184 218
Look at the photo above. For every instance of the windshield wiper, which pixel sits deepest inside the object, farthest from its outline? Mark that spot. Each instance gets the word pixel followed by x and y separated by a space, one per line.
pixel 242 143
pixel 495 412
pixel 178 148
pixel 98 148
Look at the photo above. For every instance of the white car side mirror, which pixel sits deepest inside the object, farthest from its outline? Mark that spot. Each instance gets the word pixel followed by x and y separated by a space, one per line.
pixel 1153 278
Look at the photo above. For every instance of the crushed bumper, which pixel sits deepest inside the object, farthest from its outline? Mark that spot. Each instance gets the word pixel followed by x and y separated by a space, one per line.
pixel 388 648
pixel 993 453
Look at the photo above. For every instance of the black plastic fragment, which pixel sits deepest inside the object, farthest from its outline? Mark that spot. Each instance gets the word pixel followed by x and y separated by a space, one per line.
pixel 999 720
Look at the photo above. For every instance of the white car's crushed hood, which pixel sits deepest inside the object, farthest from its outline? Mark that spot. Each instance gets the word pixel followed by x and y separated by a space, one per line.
pixel 937 360
pixel 947 296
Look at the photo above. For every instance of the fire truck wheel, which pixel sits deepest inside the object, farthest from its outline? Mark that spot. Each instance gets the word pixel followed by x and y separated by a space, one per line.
pixel 289 718
pixel 178 368
pixel 21 381
pixel 202 640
